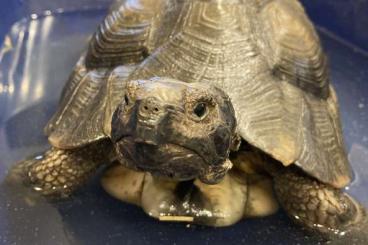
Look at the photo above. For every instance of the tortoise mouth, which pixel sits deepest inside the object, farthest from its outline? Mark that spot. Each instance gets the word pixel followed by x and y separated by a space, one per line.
pixel 165 160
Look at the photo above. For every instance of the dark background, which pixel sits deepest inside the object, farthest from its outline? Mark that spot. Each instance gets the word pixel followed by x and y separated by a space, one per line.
pixel 346 18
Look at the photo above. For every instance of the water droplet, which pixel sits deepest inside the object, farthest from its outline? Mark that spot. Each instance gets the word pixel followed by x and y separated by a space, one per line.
pixel 39 157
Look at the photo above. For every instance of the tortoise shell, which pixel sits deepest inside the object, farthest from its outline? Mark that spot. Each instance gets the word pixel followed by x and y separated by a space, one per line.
pixel 265 54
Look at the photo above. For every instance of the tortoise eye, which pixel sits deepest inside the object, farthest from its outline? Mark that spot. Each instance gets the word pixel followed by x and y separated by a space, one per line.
pixel 200 110
pixel 126 99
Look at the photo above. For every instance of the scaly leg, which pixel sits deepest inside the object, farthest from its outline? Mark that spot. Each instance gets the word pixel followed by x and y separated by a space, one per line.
pixel 320 207
pixel 57 173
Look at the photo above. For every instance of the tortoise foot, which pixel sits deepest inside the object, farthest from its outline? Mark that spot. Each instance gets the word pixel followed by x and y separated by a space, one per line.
pixel 321 208
pixel 56 173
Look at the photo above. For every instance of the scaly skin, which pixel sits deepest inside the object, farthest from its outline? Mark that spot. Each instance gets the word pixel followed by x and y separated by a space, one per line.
pixel 318 206
pixel 58 173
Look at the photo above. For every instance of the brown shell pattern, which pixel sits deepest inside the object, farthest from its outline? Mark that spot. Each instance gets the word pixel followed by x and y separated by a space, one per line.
pixel 265 54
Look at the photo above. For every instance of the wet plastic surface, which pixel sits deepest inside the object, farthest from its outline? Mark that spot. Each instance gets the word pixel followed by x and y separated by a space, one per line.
pixel 35 62
pixel 346 18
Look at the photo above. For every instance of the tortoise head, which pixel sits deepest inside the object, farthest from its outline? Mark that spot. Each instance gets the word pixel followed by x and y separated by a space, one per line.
pixel 175 129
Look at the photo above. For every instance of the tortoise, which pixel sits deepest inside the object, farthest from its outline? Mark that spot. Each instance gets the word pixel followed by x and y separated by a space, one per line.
pixel 206 111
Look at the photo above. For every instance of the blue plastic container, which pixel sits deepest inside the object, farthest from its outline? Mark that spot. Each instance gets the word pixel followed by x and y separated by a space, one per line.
pixel 42 41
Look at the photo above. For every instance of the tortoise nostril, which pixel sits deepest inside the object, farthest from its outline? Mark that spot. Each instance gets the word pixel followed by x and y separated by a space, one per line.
pixel 151 107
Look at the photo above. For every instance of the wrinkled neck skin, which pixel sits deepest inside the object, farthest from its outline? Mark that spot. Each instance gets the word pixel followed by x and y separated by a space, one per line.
pixel 175 130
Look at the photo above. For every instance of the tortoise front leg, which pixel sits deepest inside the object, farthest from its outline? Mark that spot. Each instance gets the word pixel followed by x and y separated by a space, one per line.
pixel 58 173
pixel 320 207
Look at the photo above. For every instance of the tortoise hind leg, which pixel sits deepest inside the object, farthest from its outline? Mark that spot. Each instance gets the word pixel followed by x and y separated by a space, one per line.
pixel 320 207
pixel 57 173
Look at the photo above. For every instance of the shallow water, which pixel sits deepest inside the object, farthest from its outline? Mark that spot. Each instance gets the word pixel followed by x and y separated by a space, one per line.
pixel 35 62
